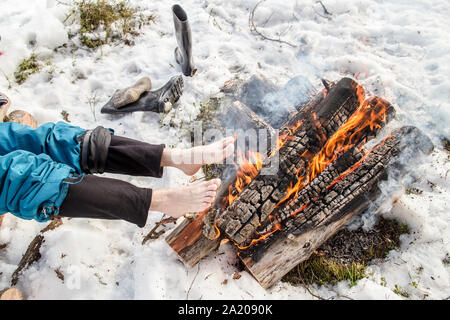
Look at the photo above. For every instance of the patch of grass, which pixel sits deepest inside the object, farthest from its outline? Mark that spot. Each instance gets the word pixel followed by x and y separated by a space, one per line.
pixel 412 190
pixel 26 68
pixel 322 270
pixel 401 292
pixel 93 101
pixel 208 111
pixel 446 144
pixel 106 21
pixel 446 260
pixel 208 117
pixel 381 250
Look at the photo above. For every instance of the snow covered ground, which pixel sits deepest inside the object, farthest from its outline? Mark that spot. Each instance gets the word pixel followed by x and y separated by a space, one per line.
pixel 399 50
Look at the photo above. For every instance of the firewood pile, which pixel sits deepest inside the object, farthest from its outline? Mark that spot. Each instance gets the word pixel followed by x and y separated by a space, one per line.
pixel 325 177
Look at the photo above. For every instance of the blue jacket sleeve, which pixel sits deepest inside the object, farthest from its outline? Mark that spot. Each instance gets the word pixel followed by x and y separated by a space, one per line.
pixel 57 140
pixel 32 186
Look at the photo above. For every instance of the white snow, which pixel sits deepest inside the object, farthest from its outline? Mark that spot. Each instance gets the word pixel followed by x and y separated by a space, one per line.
pixel 399 50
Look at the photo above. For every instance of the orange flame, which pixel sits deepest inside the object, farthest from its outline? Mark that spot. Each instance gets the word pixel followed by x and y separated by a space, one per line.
pixel 350 134
pixel 287 134
pixel 369 115
pixel 248 169
pixel 275 228
pixel 217 230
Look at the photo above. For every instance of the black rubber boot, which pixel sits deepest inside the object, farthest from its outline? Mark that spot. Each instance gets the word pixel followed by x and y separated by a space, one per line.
pixel 183 53
pixel 151 100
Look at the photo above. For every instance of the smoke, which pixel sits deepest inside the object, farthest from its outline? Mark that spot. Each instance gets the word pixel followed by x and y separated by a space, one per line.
pixel 414 146
pixel 275 104
pixel 271 103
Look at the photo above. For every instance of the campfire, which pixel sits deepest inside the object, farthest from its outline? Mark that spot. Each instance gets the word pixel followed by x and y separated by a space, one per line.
pixel 326 177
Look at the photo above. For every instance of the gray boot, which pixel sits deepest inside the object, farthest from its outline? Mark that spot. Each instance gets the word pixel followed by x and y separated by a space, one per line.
pixel 151 100
pixel 183 53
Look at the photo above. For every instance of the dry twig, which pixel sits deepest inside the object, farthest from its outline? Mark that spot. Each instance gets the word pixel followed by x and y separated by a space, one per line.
pixel 190 287
pixel 255 30
pixel 325 11
pixel 32 254
pixel 153 234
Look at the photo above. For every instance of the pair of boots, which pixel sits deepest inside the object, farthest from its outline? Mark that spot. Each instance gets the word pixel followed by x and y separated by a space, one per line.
pixel 138 97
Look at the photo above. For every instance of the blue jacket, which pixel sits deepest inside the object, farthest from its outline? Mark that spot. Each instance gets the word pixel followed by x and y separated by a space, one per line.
pixel 36 167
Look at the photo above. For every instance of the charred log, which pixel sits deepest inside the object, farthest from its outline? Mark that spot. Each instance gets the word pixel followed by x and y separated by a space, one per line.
pixel 327 204
pixel 194 239
pixel 261 196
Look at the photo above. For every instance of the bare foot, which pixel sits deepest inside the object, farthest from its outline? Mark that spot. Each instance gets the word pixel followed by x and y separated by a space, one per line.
pixel 177 201
pixel 191 160
pixel 11 294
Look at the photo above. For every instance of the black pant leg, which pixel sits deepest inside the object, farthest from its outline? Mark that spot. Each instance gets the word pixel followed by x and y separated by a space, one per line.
pixel 132 157
pixel 106 198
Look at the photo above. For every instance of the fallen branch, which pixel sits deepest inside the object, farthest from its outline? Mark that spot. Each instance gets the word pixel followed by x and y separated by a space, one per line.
pixel 324 8
pixel 326 12
pixel 190 287
pixel 153 234
pixel 32 254
pixel 255 30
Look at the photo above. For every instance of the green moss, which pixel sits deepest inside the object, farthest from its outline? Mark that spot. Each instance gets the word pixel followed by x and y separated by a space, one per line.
pixel 212 171
pixel 330 268
pixel 393 230
pixel 26 68
pixel 400 291
pixel 208 117
pixel 446 260
pixel 105 21
pixel 446 144
pixel 323 270
pixel 412 190
pixel 208 111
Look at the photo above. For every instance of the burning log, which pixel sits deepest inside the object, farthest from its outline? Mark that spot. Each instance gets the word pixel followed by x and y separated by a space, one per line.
pixel 343 190
pixel 298 149
pixel 324 179
pixel 330 107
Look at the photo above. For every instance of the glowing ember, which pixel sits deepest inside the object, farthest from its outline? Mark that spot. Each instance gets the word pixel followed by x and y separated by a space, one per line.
pixel 262 236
